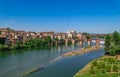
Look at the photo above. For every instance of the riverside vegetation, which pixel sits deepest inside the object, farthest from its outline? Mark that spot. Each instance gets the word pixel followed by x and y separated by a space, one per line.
pixel 31 43
pixel 112 44
pixel 109 64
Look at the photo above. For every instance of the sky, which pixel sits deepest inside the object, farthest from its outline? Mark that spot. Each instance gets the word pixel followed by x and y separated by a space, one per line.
pixel 93 16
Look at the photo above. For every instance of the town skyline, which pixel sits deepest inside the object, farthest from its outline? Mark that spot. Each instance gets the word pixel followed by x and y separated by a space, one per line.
pixel 12 37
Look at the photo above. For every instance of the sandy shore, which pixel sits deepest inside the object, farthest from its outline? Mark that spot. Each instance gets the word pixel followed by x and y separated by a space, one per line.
pixel 81 51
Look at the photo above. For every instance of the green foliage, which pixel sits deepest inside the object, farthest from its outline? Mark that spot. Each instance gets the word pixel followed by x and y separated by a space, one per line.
pixel 108 67
pixel 69 42
pixel 92 67
pixel 112 51
pixel 112 43
pixel 103 71
pixel 95 63
pixel 4 47
pixel 103 65
pixel 101 37
pixel 107 41
pixel 12 47
pixel 115 68
pixel 116 38
pixel 38 42
pixel 31 43
pixel 87 35
pixel 99 66
pixel 92 71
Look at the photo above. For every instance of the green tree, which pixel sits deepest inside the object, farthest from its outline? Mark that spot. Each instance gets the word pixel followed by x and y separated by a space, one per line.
pixel 87 35
pixel 101 37
pixel 112 43
pixel 116 38
pixel 107 41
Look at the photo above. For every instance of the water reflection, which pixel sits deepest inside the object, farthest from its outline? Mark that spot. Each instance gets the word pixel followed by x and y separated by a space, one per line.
pixel 16 62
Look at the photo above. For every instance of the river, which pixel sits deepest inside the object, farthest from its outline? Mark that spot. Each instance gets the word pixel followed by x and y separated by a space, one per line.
pixel 15 63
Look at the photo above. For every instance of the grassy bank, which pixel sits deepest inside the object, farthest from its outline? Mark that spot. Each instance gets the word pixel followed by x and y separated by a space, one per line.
pixel 106 66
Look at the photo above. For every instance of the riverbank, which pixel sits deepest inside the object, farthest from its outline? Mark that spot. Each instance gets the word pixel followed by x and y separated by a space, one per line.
pixel 106 66
pixel 81 51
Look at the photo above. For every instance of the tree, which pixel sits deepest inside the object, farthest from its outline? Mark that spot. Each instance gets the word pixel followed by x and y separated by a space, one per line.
pixel 116 38
pixel 107 41
pixel 87 35
pixel 112 43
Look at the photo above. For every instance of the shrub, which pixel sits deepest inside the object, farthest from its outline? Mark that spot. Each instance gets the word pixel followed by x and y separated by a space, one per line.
pixel 12 47
pixel 115 68
pixel 111 60
pixel 99 66
pixel 112 51
pixel 103 71
pixel 108 68
pixel 95 63
pixel 92 67
pixel 92 71
pixel 104 59
pixel 103 65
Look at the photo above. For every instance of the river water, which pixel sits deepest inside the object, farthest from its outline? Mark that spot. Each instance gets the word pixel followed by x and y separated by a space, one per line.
pixel 14 64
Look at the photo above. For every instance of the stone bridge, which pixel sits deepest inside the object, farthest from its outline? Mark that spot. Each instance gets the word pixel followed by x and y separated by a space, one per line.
pixel 97 38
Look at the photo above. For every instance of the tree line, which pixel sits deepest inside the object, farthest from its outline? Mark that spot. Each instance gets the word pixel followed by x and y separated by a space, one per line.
pixel 112 43
pixel 30 43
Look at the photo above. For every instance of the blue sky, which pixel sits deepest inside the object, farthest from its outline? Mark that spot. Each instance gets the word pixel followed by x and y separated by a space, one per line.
pixel 93 16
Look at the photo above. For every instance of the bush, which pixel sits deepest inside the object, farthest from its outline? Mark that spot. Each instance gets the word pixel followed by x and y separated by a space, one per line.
pixel 92 71
pixel 103 65
pixel 94 63
pixel 12 47
pixel 103 71
pixel 108 68
pixel 115 68
pixel 111 60
pixel 99 66
pixel 112 51
pixel 92 67
pixel 104 59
